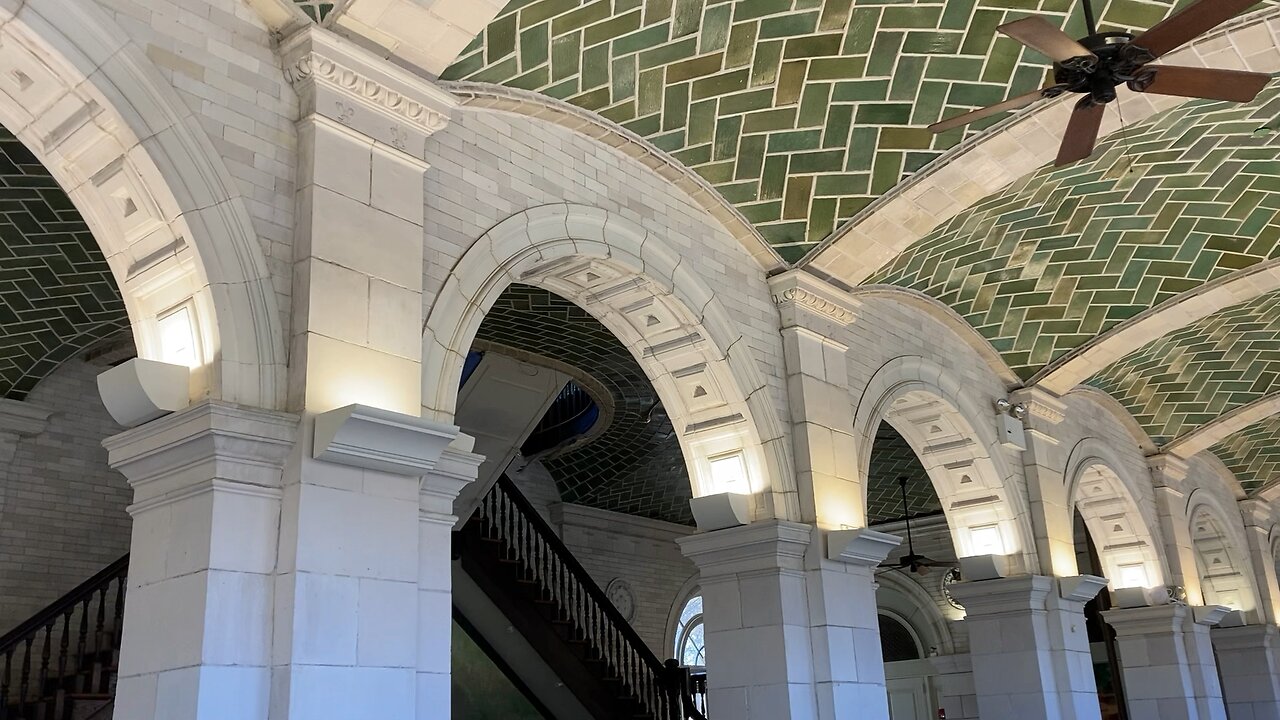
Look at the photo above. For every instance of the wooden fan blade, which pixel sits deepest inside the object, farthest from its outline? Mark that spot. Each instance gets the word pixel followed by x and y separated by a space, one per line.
pixel 1193 21
pixel 1013 103
pixel 1038 34
pixel 1082 132
pixel 1207 83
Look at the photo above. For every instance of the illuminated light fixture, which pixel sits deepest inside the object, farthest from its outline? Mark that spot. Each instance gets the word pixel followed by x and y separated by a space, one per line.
pixel 178 338
pixel 1132 575
pixel 729 472
pixel 720 511
pixel 986 540
pixel 140 390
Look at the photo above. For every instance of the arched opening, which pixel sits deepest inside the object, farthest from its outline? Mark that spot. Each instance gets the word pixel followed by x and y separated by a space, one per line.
pixel 918 622
pixel 928 409
pixel 176 236
pixel 1111 538
pixel 587 336
pixel 1223 570
pixel 671 323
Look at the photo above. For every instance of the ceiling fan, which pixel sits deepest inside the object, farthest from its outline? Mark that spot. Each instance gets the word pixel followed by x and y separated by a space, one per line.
pixel 918 564
pixel 1097 64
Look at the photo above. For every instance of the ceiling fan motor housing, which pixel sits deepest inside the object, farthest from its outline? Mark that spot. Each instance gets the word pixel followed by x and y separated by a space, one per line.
pixel 1118 61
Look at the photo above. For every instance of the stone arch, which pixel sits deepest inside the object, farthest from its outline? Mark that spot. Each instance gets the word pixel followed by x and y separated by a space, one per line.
pixel 948 318
pixel 1130 551
pixel 1220 552
pixel 152 189
pixel 916 608
pixel 631 282
pixel 928 406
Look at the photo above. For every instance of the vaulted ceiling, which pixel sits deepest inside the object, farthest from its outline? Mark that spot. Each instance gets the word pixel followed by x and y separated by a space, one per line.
pixel 803 113
pixel 57 295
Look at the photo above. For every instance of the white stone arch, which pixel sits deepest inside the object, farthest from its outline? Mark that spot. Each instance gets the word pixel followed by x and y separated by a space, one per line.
pixel 1106 498
pixel 151 187
pixel 929 407
pixel 1220 551
pixel 636 286
pixel 690 589
pixel 907 601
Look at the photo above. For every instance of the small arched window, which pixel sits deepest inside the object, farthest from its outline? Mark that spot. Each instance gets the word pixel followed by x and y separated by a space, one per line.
pixel 897 641
pixel 690 644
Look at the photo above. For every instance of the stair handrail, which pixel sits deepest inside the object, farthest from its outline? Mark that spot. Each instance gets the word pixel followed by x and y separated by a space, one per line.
pixel 581 575
pixel 56 609
pixel 666 680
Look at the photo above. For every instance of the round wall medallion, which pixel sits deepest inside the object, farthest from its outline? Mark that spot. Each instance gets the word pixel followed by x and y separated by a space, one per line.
pixel 619 593
pixel 951 577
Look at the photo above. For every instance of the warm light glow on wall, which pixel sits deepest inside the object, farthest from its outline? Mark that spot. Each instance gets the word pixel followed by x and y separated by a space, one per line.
pixel 729 473
pixel 986 540
pixel 1132 576
pixel 178 338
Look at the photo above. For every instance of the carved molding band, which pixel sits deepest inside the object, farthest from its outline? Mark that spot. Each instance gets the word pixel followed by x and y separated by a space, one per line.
pixel 316 67
pixel 339 80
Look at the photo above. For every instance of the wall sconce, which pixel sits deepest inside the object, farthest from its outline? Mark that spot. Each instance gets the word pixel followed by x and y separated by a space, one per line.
pixel 140 390
pixel 720 511
pixel 1012 434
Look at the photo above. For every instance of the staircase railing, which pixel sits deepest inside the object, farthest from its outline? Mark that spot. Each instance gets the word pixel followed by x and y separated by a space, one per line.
pixel 662 689
pixel 66 647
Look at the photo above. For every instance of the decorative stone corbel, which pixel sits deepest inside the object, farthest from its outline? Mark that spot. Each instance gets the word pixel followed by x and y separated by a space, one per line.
pixel 382 440
pixel 1080 588
pixel 861 546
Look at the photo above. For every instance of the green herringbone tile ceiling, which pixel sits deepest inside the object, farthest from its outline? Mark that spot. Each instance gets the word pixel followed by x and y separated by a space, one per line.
pixel 1065 254
pixel 1253 454
pixel 1197 373
pixel 57 295
pixel 800 112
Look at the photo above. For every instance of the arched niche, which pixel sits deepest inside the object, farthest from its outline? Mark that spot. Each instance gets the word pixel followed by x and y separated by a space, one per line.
pixel 1130 553
pixel 154 192
pixel 927 405
pixel 629 280
pixel 1222 566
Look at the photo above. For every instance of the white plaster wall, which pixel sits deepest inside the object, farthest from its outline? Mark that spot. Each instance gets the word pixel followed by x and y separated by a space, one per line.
pixel 218 54
pixel 489 165
pixel 62 515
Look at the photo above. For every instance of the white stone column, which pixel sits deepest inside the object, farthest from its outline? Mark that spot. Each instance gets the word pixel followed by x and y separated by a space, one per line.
pixel 457 468
pixel 1166 661
pixel 1043 462
pixel 358 241
pixel 1029 648
pixel 346 641
pixel 814 316
pixel 844 626
pixel 198 614
pixel 1168 474
pixel 1249 665
pixel 791 629
pixel 1257 528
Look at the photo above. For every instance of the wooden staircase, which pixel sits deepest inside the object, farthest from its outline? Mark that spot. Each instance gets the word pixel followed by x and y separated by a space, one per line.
pixel 523 567
pixel 61 664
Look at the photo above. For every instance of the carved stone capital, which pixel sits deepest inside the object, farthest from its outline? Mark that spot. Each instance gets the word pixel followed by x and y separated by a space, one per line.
pixel 1043 407
pixel 797 294
pixel 338 80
